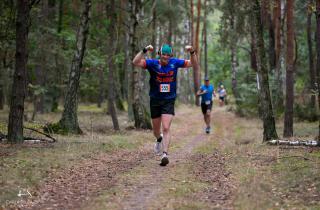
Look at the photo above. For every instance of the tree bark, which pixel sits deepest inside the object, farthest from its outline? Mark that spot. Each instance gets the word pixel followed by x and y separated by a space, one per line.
pixel 318 57
pixel 279 54
pixel 170 26
pixel 196 69
pixel 15 125
pixel 41 61
pixel 69 120
pixel 205 39
pixel 1 95
pixel 312 72
pixel 269 128
pixel 277 26
pixel 60 16
pixel 233 57
pixel 288 117
pixel 111 14
pixel 154 26
pixel 140 113
pixel 192 22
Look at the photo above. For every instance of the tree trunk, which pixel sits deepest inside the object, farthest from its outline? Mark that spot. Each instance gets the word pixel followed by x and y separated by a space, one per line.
pixel 15 125
pixel 192 22
pixel 269 128
pixel 288 117
pixel 279 54
pixel 196 76
pixel 312 73
pixel 233 57
pixel 69 121
pixel 41 62
pixel 1 94
pixel 170 27
pixel 154 26
pixel 60 16
pixel 205 39
pixel 318 57
pixel 197 69
pixel 277 25
pixel 101 86
pixel 272 50
pixel 111 14
pixel 140 113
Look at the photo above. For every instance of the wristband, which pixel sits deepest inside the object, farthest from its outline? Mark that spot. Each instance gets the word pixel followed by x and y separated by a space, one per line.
pixel 192 52
pixel 144 50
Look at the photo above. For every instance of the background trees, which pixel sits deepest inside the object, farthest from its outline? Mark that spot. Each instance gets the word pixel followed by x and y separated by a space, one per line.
pixel 231 58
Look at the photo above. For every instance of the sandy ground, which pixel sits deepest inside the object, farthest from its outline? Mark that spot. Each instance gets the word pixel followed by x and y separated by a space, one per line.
pixel 134 179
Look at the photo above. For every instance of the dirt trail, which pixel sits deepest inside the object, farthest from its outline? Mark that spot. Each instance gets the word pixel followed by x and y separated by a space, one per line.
pixel 82 185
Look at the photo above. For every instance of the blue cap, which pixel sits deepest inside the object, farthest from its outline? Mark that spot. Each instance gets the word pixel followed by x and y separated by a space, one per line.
pixel 206 79
pixel 166 49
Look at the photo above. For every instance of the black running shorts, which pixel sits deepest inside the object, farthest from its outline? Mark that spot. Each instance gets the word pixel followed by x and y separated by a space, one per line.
pixel 205 107
pixel 161 106
pixel 221 98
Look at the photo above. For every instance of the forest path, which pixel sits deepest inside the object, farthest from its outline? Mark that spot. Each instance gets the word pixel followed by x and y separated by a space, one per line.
pixel 134 179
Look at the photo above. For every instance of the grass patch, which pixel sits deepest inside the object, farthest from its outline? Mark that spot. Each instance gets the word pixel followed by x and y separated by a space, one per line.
pixel 271 177
pixel 207 148
pixel 25 167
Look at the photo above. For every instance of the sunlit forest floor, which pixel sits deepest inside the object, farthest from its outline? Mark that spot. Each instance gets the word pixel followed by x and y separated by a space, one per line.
pixel 228 169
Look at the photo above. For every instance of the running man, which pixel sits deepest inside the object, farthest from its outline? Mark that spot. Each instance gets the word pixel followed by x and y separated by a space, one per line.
pixel 163 84
pixel 206 91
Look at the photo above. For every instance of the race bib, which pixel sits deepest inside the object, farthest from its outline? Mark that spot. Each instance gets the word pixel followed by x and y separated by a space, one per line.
pixel 207 102
pixel 164 88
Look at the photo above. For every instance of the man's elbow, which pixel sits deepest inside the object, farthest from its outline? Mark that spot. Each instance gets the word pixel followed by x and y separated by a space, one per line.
pixel 134 62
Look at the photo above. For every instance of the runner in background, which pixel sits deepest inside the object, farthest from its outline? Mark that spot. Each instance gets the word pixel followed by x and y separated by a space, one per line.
pixel 222 95
pixel 206 92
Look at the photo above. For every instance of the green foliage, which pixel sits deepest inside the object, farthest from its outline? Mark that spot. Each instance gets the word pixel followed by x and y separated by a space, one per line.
pixel 89 89
pixel 305 112
pixel 37 89
pixel 248 100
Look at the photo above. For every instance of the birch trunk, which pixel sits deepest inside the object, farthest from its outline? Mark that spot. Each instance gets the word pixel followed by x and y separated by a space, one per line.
pixel 69 120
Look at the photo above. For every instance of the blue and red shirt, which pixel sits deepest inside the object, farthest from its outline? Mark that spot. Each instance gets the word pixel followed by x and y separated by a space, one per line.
pixel 163 79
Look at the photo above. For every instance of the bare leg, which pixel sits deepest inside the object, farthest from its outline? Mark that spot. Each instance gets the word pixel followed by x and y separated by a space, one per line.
pixel 208 117
pixel 166 120
pixel 156 126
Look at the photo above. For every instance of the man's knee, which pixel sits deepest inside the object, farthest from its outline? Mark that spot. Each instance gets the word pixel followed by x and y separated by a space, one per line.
pixel 166 129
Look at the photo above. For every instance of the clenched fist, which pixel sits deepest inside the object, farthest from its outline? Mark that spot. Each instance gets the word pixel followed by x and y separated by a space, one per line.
pixel 149 48
pixel 189 48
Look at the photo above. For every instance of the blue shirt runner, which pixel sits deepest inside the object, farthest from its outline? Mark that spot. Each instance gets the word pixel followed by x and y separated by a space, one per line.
pixel 207 97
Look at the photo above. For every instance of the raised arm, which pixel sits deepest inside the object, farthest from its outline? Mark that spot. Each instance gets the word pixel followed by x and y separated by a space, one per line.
pixel 193 62
pixel 139 58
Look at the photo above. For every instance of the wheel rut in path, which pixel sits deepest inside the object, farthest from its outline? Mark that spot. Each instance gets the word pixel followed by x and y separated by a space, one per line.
pixel 79 186
pixel 141 193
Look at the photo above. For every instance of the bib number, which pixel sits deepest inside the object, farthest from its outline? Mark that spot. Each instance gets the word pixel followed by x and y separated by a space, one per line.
pixel 207 102
pixel 164 88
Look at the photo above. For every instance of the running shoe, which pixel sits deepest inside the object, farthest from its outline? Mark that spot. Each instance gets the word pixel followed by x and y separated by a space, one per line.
pixel 158 146
pixel 208 130
pixel 164 160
